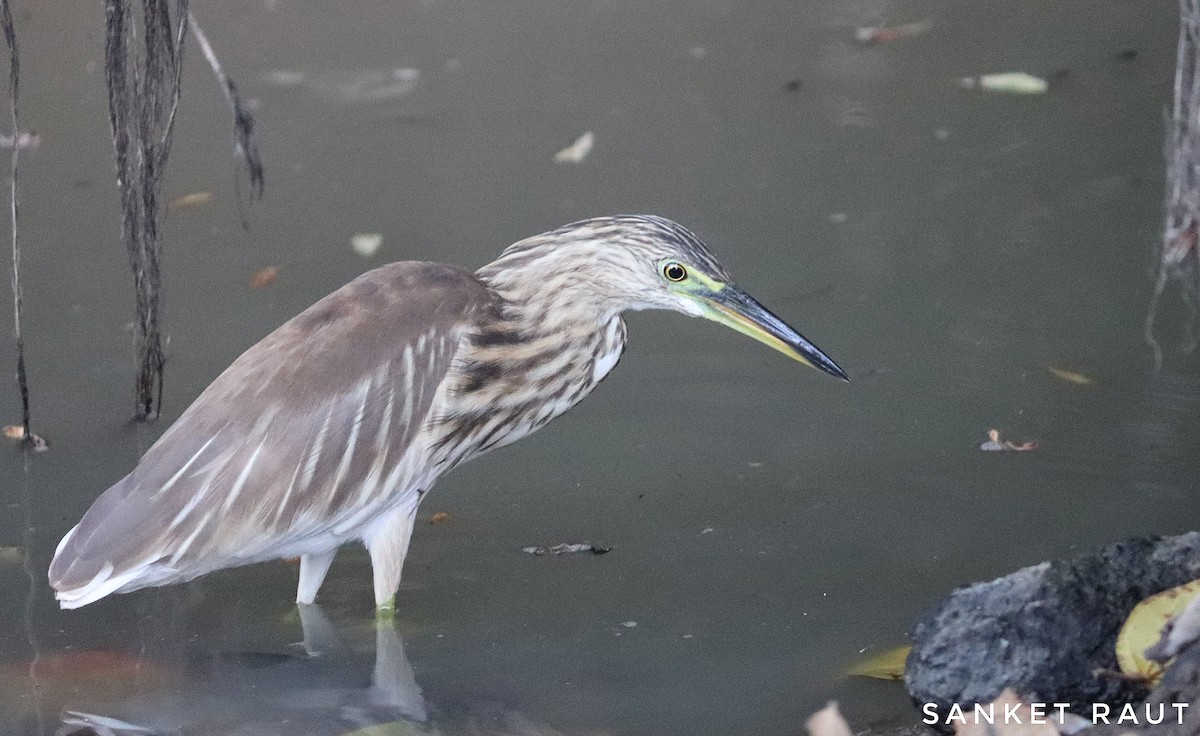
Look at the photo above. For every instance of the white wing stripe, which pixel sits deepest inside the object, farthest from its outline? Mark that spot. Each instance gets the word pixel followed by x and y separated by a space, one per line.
pixel 167 486
pixel 348 455
pixel 191 538
pixel 314 455
pixel 241 479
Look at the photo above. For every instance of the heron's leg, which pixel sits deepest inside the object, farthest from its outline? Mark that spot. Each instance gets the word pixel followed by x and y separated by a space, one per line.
pixel 313 567
pixel 387 542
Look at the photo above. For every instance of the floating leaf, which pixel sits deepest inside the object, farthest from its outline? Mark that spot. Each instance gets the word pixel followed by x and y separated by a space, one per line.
pixel 365 244
pixel 828 722
pixel 1012 82
pixel 191 201
pixel 577 151
pixel 1144 627
pixel 264 277
pixel 888 665
pixel 1063 374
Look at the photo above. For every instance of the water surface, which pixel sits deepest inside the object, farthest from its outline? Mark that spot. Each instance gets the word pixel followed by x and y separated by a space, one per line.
pixel 767 523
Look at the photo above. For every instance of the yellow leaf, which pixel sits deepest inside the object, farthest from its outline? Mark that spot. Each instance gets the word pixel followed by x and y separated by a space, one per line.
pixel 888 665
pixel 1144 627
pixel 1063 374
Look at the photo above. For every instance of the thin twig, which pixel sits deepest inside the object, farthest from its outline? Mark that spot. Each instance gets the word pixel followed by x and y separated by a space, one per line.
pixel 14 73
pixel 244 146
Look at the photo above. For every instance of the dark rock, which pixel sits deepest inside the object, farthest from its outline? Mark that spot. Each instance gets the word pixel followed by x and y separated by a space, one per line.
pixel 1045 630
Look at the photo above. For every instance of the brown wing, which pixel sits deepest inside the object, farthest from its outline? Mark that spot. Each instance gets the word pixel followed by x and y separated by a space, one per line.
pixel 299 435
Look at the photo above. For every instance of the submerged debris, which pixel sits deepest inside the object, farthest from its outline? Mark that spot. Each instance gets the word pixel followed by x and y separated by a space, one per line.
pixel 1018 83
pixel 567 549
pixel 882 34
pixel 577 151
pixel 439 517
pixel 356 87
pixel 26 141
pixel 995 444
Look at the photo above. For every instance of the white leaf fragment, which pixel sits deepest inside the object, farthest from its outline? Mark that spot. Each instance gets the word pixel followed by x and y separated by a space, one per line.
pixel 365 244
pixel 577 151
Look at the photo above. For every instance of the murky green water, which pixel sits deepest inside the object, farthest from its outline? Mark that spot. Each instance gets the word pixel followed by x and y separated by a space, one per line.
pixel 767 523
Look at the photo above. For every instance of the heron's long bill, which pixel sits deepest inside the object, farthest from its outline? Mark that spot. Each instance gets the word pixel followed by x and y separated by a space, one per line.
pixel 735 308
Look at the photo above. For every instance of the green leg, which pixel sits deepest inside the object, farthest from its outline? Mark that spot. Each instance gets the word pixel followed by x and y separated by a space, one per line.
pixel 386 611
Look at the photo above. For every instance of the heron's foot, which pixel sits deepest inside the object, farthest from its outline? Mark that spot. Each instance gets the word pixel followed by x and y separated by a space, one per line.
pixel 386 611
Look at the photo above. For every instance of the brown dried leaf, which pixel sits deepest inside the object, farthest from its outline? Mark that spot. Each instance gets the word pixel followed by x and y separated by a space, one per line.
pixel 439 517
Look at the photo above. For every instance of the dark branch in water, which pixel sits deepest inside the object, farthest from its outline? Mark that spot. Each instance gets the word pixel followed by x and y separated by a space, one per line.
pixel 143 66
pixel 1179 252
pixel 14 73
pixel 243 127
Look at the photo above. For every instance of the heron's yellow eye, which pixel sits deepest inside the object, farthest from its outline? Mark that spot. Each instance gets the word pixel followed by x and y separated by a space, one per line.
pixel 672 271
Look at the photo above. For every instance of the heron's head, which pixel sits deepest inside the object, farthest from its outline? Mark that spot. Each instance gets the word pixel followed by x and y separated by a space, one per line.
pixel 597 267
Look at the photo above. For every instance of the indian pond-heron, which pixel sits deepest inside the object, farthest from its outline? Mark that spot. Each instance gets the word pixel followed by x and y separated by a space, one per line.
pixel 334 427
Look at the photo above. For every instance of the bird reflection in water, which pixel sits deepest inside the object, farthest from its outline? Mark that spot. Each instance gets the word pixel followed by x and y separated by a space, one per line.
pixel 318 692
